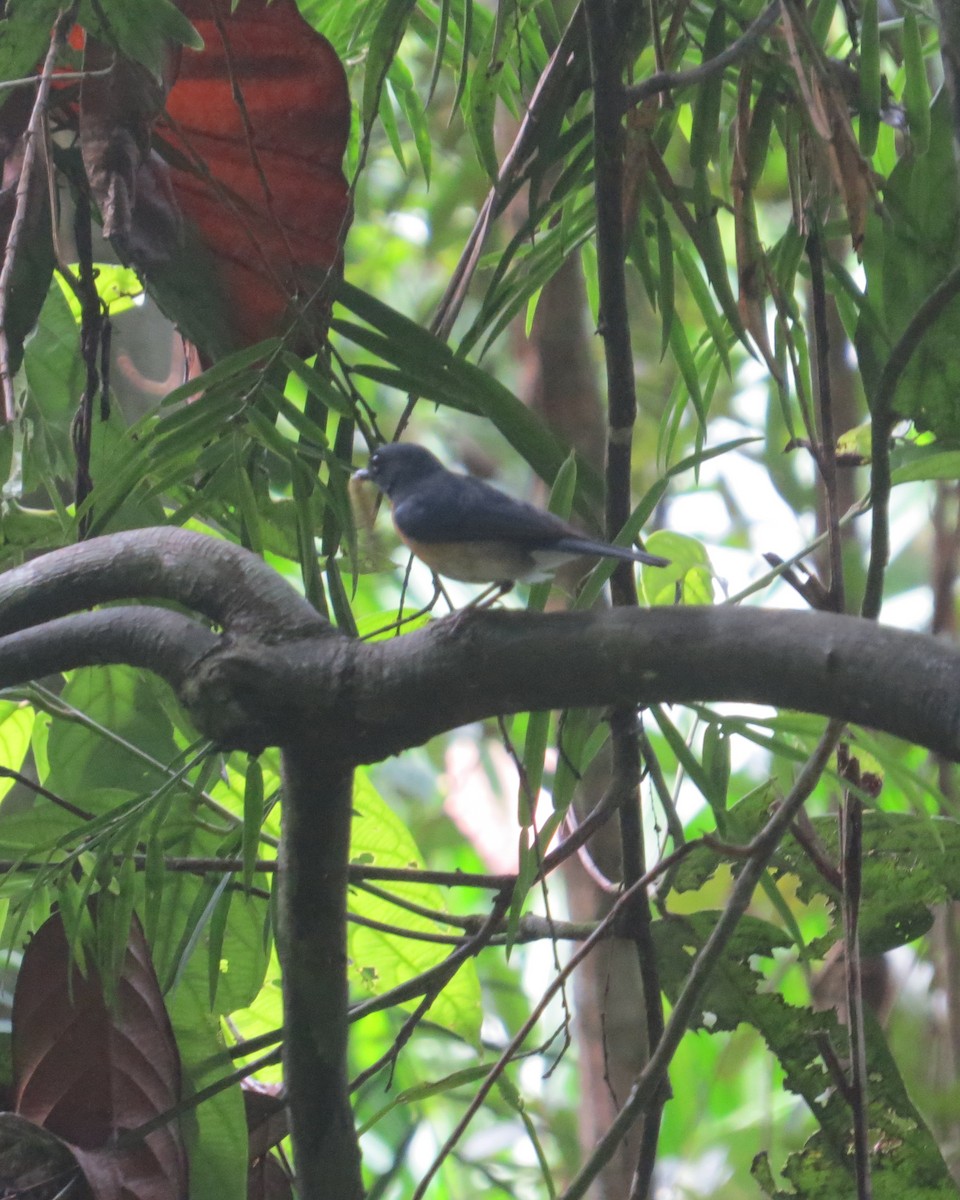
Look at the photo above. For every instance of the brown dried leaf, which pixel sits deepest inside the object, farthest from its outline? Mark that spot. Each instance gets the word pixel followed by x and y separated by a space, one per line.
pixel 89 1073
pixel 117 111
pixel 826 109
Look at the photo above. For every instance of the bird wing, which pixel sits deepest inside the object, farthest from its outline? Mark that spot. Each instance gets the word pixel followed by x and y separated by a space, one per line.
pixel 459 508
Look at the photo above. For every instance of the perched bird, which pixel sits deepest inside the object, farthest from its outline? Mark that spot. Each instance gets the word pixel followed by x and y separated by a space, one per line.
pixel 465 529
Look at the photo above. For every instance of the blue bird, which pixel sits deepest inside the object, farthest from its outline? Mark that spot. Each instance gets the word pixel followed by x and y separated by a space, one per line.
pixel 465 529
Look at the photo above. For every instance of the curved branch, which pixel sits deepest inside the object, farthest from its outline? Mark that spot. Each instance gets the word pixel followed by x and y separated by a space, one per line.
pixel 366 701
pixel 484 663
pixel 157 639
pixel 225 583
pixel 670 81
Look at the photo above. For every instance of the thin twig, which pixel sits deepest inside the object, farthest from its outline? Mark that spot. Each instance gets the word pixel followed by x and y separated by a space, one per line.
pixel 7 85
pixel 669 81
pixel 31 137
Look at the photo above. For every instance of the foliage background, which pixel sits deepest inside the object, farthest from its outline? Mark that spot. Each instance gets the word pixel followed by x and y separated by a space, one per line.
pixel 749 215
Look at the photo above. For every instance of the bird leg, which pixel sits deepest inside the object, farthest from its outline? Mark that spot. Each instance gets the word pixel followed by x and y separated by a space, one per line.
pixel 492 594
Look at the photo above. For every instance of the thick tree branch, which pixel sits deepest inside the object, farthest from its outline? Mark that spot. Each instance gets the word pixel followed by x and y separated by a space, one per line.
pixel 157 639
pixel 312 944
pixel 370 700
pixel 223 582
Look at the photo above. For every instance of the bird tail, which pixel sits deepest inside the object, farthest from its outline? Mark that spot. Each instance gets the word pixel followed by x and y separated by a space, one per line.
pixel 579 545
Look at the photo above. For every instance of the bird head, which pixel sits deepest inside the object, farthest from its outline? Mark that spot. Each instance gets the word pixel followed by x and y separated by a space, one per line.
pixel 397 466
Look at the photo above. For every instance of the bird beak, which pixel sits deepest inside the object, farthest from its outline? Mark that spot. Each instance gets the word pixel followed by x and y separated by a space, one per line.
pixel 361 475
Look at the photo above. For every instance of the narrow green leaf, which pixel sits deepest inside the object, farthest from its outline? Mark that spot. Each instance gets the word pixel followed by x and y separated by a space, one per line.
pixel 705 132
pixel 441 46
pixel 682 752
pixel 712 253
pixel 665 254
pixel 384 43
pixel 716 765
pixel 463 75
pixel 916 89
pixel 388 119
pixel 639 255
pixel 226 369
pixel 303 487
pixel 688 368
pixel 408 97
pixel 194 929
pixel 247 500
pixel 870 92
pixel 765 108
pixel 481 106
pixel 527 867
pixel 339 600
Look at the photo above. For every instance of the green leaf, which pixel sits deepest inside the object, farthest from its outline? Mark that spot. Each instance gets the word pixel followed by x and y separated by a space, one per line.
pixel 870 92
pixel 118 287
pixel 705 132
pixel 140 31
pixel 24 38
pixel 227 369
pixel 380 960
pixel 16 731
pixel 384 44
pixel 409 99
pixel 926 462
pixel 665 291
pixel 916 89
pixel 481 105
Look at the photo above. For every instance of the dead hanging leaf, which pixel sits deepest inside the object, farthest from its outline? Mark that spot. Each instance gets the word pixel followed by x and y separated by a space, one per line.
pixel 33 264
pixel 828 118
pixel 90 1073
pixel 117 111
pixel 256 130
pixel 751 261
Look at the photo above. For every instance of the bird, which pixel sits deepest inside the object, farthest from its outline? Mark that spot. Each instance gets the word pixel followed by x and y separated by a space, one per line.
pixel 464 529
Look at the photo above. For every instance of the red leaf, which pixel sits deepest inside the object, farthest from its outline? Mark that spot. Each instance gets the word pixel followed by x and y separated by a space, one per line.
pixel 88 1072
pixel 259 121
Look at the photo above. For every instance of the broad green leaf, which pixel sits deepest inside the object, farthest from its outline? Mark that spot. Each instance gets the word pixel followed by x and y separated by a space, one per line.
pixel 118 287
pixel 16 730
pixel 379 960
